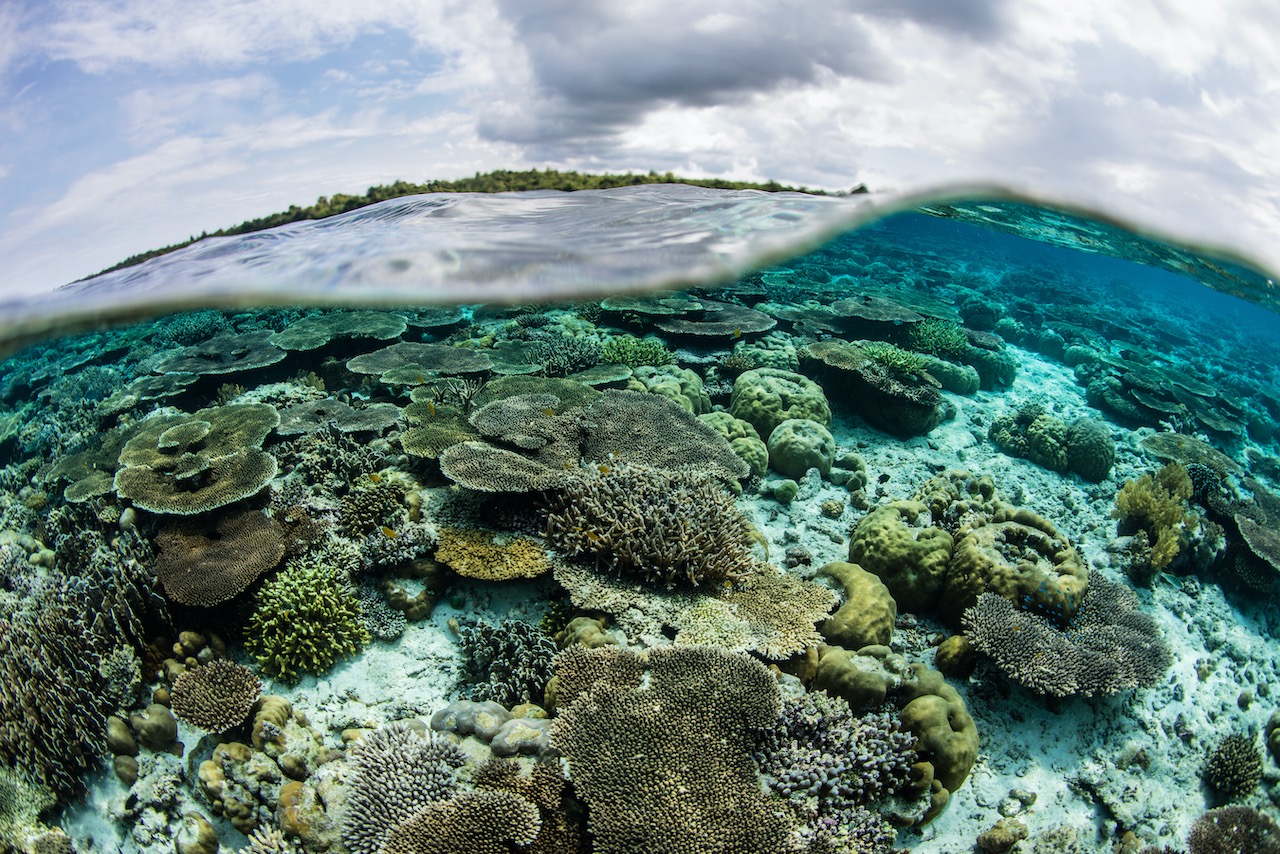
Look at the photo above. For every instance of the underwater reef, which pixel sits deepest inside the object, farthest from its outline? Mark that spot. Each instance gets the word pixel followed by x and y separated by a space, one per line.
pixel 934 545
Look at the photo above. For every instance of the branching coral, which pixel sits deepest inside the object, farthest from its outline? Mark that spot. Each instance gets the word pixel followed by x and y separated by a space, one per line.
pixel 216 696
pixel 304 620
pixel 663 763
pixel 1156 504
pixel 667 528
pixel 509 663
pixel 1108 647
pixel 396 772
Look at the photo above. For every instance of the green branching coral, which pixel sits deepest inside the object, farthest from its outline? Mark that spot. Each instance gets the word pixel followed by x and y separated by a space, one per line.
pixel 939 338
pixel 1156 505
pixel 636 352
pixel 305 619
pixel 891 358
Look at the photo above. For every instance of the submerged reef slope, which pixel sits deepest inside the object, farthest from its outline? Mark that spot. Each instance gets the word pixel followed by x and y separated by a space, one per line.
pixel 929 539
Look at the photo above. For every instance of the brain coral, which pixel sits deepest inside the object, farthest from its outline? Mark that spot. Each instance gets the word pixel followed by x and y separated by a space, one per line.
pixel 188 464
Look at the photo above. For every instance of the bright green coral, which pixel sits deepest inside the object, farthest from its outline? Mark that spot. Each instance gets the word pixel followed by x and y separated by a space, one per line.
pixel 939 338
pixel 636 352
pixel 306 618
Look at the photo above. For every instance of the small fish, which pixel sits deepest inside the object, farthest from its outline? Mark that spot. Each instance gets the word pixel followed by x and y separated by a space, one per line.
pixel 737 333
pixel 603 469
pixel 419 380
pixel 376 478
pixel 592 536
pixel 388 532
pixel 431 407
pixel 549 412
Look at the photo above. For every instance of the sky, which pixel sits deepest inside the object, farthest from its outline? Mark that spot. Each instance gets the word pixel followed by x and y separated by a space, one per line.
pixel 131 124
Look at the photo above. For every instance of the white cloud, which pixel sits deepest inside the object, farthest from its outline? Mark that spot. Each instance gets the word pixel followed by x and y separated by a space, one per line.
pixel 1161 108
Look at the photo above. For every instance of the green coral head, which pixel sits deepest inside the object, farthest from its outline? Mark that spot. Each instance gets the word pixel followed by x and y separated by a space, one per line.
pixel 893 358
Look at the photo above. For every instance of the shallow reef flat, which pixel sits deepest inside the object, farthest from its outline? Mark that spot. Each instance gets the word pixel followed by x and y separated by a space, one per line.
pixel 933 539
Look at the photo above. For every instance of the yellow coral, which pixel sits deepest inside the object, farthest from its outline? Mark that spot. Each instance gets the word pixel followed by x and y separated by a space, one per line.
pixel 1157 505
pixel 474 553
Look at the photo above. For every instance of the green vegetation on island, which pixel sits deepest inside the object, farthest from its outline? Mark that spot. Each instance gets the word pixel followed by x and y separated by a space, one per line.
pixel 499 181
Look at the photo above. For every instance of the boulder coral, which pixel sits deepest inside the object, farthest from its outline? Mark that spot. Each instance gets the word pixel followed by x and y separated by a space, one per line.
pixel 766 397
pixel 899 543
pixel 798 444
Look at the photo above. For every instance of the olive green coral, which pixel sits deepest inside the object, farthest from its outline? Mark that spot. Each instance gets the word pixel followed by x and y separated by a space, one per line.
pixel 1156 504
pixel 767 396
pixel 899 543
pixel 304 620
pixel 188 464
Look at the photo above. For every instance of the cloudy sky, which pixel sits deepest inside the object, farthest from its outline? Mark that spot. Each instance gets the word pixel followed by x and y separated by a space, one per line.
pixel 130 124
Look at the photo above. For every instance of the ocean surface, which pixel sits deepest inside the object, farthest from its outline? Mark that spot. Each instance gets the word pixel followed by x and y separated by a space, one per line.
pixel 647 520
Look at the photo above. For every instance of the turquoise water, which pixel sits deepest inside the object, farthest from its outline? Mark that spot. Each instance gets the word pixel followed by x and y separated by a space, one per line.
pixel 957 527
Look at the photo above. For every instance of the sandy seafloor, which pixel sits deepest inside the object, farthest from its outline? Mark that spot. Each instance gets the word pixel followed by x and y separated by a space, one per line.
pixel 1133 760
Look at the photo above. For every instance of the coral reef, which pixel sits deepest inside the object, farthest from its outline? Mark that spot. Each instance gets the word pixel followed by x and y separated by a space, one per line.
pixel 668 528
pixel 508 663
pixel 1107 647
pixel 1235 766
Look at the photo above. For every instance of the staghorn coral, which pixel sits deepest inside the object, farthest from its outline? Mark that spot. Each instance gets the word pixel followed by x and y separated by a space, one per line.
pixel 304 620
pixel 938 338
pixel 216 696
pixel 559 356
pixel 206 561
pixel 53 708
pixel 667 528
pixel 509 663
pixel 397 770
pixel 1235 766
pixel 1109 646
pixel 666 767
